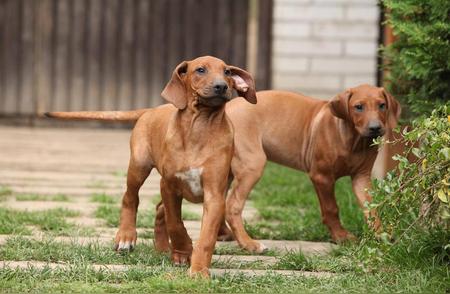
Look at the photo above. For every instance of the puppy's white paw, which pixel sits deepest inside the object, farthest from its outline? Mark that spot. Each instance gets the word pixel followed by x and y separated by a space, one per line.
pixel 126 246
pixel 262 248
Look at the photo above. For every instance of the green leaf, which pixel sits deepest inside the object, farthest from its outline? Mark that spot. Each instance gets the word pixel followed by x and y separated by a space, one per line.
pixel 443 194
pixel 445 152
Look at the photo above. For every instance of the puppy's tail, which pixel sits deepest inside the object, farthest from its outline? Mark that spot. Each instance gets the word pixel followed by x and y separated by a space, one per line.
pixel 132 115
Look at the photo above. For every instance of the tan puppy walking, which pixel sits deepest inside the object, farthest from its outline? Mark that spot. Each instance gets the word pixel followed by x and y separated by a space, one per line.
pixel 326 139
pixel 191 146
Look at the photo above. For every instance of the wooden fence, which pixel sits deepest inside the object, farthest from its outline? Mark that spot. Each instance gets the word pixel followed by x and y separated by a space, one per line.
pixel 115 54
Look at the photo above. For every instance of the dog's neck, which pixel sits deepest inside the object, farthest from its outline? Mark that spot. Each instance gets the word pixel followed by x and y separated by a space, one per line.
pixel 353 140
pixel 196 119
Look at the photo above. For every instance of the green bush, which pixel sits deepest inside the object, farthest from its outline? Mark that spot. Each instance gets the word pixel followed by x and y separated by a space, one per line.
pixel 418 62
pixel 413 201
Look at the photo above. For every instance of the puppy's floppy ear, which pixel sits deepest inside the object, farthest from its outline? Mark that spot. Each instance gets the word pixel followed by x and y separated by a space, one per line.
pixel 394 109
pixel 339 104
pixel 175 90
pixel 244 84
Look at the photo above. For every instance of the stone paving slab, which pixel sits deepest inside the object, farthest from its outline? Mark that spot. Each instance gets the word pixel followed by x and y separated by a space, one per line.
pixel 117 268
pixel 86 209
pixel 255 273
pixel 306 247
pixel 243 259
pixel 74 191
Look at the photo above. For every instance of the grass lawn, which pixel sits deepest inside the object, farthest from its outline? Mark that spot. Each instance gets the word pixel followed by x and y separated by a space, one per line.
pixel 288 209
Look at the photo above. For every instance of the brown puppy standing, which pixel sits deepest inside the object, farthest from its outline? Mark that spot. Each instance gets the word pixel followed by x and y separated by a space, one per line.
pixel 328 140
pixel 191 148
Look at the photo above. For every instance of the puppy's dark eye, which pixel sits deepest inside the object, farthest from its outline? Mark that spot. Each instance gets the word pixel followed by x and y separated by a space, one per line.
pixel 227 72
pixel 382 106
pixel 359 107
pixel 201 70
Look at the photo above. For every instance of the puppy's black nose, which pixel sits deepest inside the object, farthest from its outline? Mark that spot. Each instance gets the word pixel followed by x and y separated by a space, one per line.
pixel 220 88
pixel 374 128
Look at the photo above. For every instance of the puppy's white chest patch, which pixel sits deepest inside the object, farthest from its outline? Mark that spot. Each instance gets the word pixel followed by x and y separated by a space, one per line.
pixel 193 178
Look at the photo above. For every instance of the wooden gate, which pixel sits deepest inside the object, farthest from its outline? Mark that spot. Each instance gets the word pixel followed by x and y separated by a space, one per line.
pixel 115 54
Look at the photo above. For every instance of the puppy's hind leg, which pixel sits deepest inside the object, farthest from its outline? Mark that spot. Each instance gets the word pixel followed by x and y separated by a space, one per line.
pixel 225 233
pixel 181 243
pixel 161 239
pixel 246 175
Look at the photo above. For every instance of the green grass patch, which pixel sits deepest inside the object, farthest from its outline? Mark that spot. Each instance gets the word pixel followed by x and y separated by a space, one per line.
pixel 52 220
pixel 147 234
pixel 156 199
pixel 5 191
pixel 190 216
pixel 38 197
pixel 97 185
pixel 111 214
pixel 119 173
pixel 145 219
pixel 289 208
pixel 19 248
pixel 103 198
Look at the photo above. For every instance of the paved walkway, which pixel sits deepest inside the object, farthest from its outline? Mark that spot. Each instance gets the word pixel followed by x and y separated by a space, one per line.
pixel 82 162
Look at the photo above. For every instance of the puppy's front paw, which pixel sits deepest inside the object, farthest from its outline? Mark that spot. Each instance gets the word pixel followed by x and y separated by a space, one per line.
pixel 125 240
pixel 255 247
pixel 180 258
pixel 198 273
pixel 343 236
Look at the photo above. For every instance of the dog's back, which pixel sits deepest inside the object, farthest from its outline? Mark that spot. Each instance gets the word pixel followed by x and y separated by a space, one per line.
pixel 281 121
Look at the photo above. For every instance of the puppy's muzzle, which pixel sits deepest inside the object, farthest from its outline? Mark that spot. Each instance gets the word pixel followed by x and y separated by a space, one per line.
pixel 219 96
pixel 220 88
pixel 214 101
pixel 375 129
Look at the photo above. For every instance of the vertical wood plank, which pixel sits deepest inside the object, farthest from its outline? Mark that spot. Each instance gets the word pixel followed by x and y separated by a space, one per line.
pixel 109 54
pixel 142 67
pixel 190 29
pixel 239 45
pixel 11 56
pixel 76 54
pixel 158 51
pixel 2 50
pixel 175 37
pixel 223 30
pixel 26 104
pixel 263 74
pixel 2 53
pixel 126 56
pixel 42 55
pixel 93 58
pixel 61 58
pixel 207 28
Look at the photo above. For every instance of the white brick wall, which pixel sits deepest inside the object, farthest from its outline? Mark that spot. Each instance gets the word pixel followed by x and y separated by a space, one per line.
pixel 321 47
